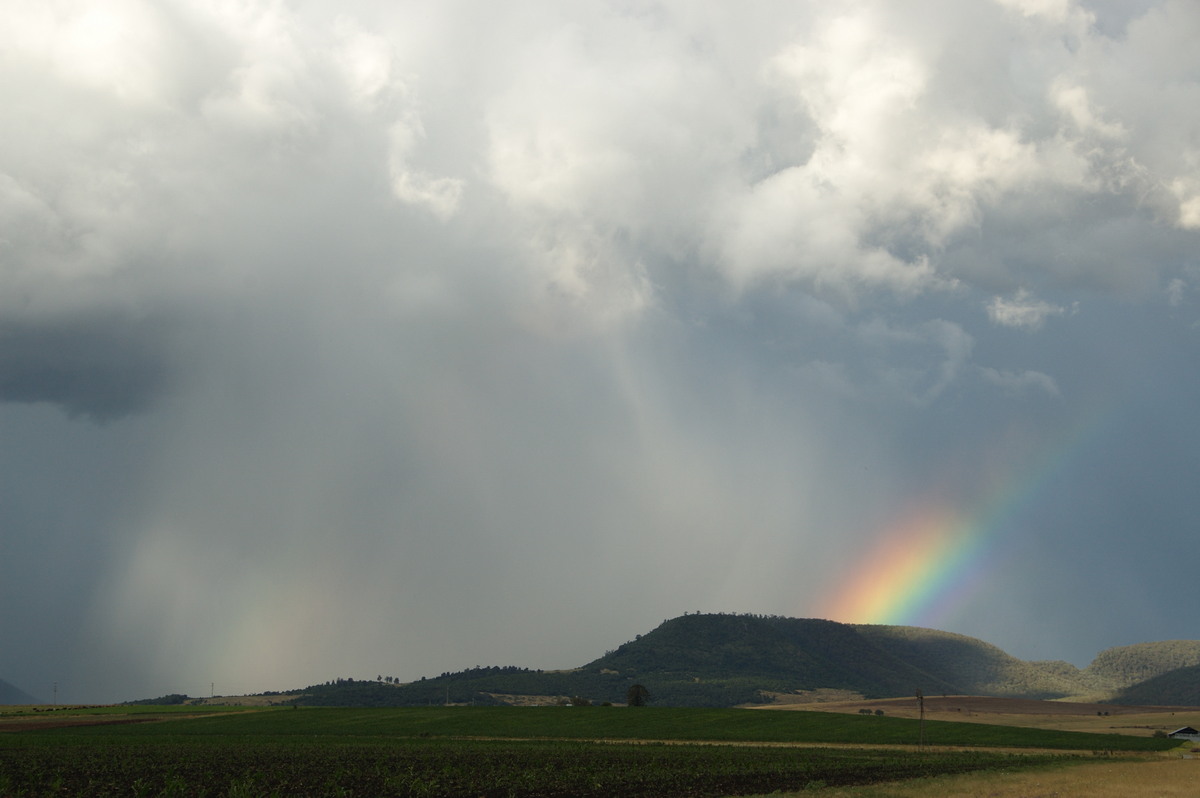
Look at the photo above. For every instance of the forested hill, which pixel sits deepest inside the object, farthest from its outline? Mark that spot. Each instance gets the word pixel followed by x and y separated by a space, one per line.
pixel 974 667
pixel 726 660
pixel 1128 665
pixel 1166 673
pixel 1177 688
pixel 780 654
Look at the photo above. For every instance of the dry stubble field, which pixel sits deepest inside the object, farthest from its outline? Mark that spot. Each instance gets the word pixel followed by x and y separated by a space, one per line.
pixel 1064 715
pixel 1158 776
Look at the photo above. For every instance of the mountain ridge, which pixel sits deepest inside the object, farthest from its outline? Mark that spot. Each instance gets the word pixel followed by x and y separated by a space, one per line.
pixel 10 694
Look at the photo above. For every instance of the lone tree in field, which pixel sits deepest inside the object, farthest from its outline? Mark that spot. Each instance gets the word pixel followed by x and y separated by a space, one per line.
pixel 637 695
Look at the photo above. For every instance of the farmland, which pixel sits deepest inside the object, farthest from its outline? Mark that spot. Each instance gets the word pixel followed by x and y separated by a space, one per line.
pixel 1062 715
pixel 595 751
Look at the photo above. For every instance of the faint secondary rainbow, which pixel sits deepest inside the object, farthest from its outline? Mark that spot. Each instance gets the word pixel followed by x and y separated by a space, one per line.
pixel 928 563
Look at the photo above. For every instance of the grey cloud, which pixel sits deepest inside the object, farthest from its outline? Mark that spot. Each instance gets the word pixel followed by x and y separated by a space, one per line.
pixel 1111 17
pixel 1175 291
pixel 1021 383
pixel 104 368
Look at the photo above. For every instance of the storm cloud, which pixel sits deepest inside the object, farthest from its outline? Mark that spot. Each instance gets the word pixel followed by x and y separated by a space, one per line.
pixel 399 338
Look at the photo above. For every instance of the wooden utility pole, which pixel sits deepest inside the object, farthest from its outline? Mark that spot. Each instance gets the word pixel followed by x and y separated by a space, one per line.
pixel 921 704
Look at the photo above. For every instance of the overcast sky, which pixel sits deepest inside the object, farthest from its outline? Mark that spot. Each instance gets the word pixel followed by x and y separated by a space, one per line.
pixel 357 338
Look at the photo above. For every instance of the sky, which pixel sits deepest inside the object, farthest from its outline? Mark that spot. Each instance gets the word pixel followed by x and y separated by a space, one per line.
pixel 393 338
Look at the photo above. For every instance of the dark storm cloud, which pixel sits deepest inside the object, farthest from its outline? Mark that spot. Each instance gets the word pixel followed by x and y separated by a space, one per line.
pixel 100 368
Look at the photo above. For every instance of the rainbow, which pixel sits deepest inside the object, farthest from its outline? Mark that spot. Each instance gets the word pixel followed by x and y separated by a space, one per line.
pixel 929 558
pixel 934 558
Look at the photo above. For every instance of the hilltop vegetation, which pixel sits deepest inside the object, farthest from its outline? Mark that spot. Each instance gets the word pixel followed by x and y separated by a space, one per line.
pixel 978 668
pixel 1180 687
pixel 1125 666
pixel 478 686
pixel 723 660
pixel 777 653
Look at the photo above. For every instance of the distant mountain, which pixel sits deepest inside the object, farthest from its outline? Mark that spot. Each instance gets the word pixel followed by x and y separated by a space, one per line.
pixel 727 660
pixel 10 694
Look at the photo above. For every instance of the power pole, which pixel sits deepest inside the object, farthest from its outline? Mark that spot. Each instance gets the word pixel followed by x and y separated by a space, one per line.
pixel 921 703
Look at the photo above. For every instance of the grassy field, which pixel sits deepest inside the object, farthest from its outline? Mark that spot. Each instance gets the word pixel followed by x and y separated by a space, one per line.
pixel 503 751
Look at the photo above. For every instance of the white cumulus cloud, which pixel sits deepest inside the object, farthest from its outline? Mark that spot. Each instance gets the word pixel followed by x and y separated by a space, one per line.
pixel 1022 310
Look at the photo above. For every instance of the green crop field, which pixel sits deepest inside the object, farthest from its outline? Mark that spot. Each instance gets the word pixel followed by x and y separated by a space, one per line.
pixel 619 723
pixel 514 751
